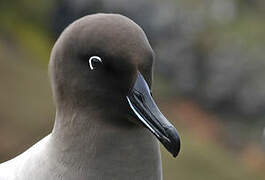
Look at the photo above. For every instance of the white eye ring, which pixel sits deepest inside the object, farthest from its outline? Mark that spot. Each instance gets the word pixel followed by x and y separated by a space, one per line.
pixel 93 59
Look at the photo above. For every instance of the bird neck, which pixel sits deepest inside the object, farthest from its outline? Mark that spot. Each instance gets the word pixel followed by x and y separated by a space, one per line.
pixel 98 144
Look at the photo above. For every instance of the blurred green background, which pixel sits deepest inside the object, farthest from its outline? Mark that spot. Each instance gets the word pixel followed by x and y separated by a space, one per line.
pixel 209 77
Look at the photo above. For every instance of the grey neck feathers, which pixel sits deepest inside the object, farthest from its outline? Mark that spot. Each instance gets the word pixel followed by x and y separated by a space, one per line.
pixel 96 145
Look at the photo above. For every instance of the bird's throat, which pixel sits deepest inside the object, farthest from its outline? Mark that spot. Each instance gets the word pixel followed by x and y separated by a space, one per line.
pixel 97 146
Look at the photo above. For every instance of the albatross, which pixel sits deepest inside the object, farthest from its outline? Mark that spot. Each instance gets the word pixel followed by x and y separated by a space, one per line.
pixel 107 125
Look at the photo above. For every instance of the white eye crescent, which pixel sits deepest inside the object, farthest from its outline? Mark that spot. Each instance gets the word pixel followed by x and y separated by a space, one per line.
pixel 92 60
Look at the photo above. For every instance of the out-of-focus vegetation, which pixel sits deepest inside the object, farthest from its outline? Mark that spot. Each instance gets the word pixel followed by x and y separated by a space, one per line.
pixel 209 77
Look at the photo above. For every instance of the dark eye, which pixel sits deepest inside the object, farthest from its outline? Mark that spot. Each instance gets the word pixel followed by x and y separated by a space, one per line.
pixel 94 61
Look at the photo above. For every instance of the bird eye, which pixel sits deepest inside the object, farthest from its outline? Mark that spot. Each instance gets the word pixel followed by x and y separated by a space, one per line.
pixel 93 60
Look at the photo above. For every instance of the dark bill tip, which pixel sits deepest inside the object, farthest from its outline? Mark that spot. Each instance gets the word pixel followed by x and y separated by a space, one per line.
pixel 175 141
